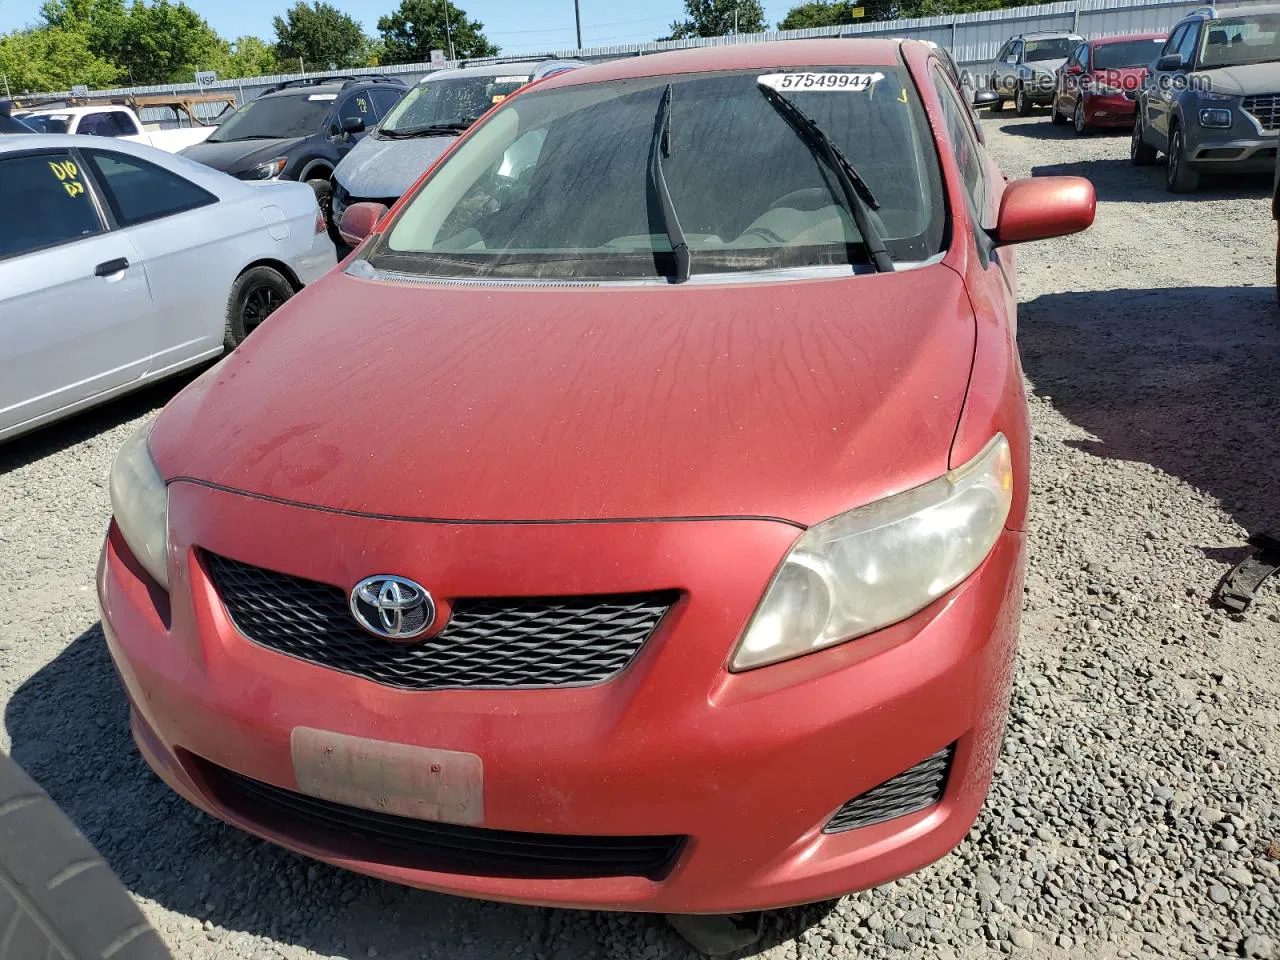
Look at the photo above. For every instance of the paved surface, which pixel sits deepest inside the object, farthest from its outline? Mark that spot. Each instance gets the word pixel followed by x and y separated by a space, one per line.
pixel 1135 808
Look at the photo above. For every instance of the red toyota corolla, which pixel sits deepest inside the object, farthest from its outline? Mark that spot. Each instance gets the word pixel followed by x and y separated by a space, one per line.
pixel 1098 85
pixel 635 521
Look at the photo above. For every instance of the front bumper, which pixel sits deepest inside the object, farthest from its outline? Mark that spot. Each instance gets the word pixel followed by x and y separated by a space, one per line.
pixel 1250 154
pixel 1109 110
pixel 749 767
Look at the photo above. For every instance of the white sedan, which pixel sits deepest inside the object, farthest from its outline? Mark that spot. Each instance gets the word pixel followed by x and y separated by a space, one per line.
pixel 121 264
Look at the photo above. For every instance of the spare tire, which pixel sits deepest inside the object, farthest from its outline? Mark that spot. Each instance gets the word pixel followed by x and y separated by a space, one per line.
pixel 58 898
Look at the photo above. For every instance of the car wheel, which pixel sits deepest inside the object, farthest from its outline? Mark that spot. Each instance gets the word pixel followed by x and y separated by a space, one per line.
pixel 1058 119
pixel 1077 120
pixel 1021 102
pixel 1180 177
pixel 59 898
pixel 998 104
pixel 256 294
pixel 1141 153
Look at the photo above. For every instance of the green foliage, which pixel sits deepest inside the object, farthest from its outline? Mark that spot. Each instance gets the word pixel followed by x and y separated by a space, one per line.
pixel 322 35
pixel 714 18
pixel 820 13
pixel 246 57
pixel 52 58
pixel 167 42
pixel 419 26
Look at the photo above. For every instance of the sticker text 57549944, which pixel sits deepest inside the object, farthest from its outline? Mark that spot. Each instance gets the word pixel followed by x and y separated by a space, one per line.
pixel 819 82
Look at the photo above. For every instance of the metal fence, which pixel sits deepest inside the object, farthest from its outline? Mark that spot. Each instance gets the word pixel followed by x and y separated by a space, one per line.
pixel 972 38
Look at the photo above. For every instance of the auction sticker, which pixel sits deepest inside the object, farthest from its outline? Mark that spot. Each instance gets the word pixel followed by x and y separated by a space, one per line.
pixel 819 82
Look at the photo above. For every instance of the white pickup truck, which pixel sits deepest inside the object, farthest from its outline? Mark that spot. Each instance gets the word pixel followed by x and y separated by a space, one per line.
pixel 114 120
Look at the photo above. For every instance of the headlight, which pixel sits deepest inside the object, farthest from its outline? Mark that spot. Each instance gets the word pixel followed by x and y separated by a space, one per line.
pixel 1106 90
pixel 879 564
pixel 1210 95
pixel 1215 118
pixel 141 505
pixel 265 171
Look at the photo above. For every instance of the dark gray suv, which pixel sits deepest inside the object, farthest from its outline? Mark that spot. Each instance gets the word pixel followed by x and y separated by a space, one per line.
pixel 1211 102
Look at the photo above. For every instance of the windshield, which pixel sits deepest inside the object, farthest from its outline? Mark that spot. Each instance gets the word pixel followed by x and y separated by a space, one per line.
pixel 1237 40
pixel 457 102
pixel 1057 49
pixel 538 191
pixel 297 115
pixel 48 122
pixel 1130 53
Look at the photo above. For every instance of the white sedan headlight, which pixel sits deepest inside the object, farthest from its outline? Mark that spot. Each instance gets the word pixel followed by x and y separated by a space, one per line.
pixel 879 564
pixel 141 505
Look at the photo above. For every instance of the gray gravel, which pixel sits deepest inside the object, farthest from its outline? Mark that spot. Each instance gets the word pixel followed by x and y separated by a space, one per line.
pixel 1135 809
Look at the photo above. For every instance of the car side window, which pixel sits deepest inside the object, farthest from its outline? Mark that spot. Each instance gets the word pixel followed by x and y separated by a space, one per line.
pixel 1187 47
pixel 123 124
pixel 384 100
pixel 358 106
pixel 973 170
pixel 1171 45
pixel 96 125
pixel 138 191
pixel 1082 56
pixel 1004 51
pixel 46 203
pixel 1015 52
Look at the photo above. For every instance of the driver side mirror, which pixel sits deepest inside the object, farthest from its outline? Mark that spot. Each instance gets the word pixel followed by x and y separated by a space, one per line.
pixel 1042 207
pixel 358 221
pixel 1075 70
pixel 352 125
pixel 1170 62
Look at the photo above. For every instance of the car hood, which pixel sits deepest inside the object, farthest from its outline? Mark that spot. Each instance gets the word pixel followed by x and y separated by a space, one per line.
pixel 1244 80
pixel 236 156
pixel 380 169
pixel 1046 66
pixel 794 400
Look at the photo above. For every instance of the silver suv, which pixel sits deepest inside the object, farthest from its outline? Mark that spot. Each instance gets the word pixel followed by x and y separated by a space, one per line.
pixel 1212 100
pixel 1026 69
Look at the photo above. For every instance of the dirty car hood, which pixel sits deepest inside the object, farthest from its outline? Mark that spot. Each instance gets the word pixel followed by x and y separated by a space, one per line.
pixel 378 169
pixel 475 402
pixel 1244 80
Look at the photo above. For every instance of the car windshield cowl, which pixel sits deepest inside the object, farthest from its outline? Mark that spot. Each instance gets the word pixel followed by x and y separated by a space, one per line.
pixel 534 191
pixel 450 129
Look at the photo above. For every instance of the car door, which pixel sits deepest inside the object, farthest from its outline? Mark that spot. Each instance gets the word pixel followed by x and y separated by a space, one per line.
pixel 1162 91
pixel 1071 78
pixel 75 307
pixel 167 219
pixel 356 106
pixel 125 126
pixel 1007 69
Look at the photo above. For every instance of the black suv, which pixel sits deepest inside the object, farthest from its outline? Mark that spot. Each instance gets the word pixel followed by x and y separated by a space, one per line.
pixel 298 130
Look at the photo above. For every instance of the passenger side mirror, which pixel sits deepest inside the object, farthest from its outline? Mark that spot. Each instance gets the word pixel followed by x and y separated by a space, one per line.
pixel 352 125
pixel 1170 62
pixel 1042 207
pixel 358 221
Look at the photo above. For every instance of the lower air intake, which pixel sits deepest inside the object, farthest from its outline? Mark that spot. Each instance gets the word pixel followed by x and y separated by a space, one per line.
pixel 909 792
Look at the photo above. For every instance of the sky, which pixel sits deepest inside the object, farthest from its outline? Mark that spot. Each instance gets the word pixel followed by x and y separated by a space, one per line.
pixel 517 26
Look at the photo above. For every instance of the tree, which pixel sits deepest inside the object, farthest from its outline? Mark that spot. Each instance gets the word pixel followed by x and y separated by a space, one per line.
pixel 820 13
pixel 322 35
pixel 716 18
pixel 166 42
pixel 51 58
pixel 420 26
pixel 246 57
pixel 102 22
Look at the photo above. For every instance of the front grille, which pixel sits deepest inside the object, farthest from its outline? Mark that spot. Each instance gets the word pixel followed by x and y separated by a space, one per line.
pixel 505 643
pixel 909 792
pixel 1266 108
pixel 398 841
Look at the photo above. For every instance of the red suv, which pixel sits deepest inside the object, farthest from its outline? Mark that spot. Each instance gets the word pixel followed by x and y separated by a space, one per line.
pixel 635 521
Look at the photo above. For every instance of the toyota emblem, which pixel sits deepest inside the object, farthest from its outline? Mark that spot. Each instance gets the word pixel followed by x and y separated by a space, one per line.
pixel 392 607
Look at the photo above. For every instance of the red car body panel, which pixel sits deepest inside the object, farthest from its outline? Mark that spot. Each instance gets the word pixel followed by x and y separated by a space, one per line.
pixel 460 436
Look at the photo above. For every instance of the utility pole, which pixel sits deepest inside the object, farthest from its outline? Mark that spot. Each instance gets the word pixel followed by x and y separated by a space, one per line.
pixel 735 18
pixel 302 67
pixel 577 21
pixel 448 30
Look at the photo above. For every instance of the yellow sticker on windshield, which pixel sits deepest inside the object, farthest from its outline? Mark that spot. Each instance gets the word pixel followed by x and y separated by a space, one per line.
pixel 902 97
pixel 499 97
pixel 819 82
pixel 67 172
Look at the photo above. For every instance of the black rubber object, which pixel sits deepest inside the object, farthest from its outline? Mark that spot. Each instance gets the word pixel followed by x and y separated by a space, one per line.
pixel 58 898
pixel 254 282
pixel 716 935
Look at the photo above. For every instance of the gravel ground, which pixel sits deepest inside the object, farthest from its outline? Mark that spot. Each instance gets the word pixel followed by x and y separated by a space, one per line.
pixel 1135 808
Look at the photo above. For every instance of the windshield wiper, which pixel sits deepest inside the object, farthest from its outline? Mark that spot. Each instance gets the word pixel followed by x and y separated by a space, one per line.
pixel 429 130
pixel 858 195
pixel 659 148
